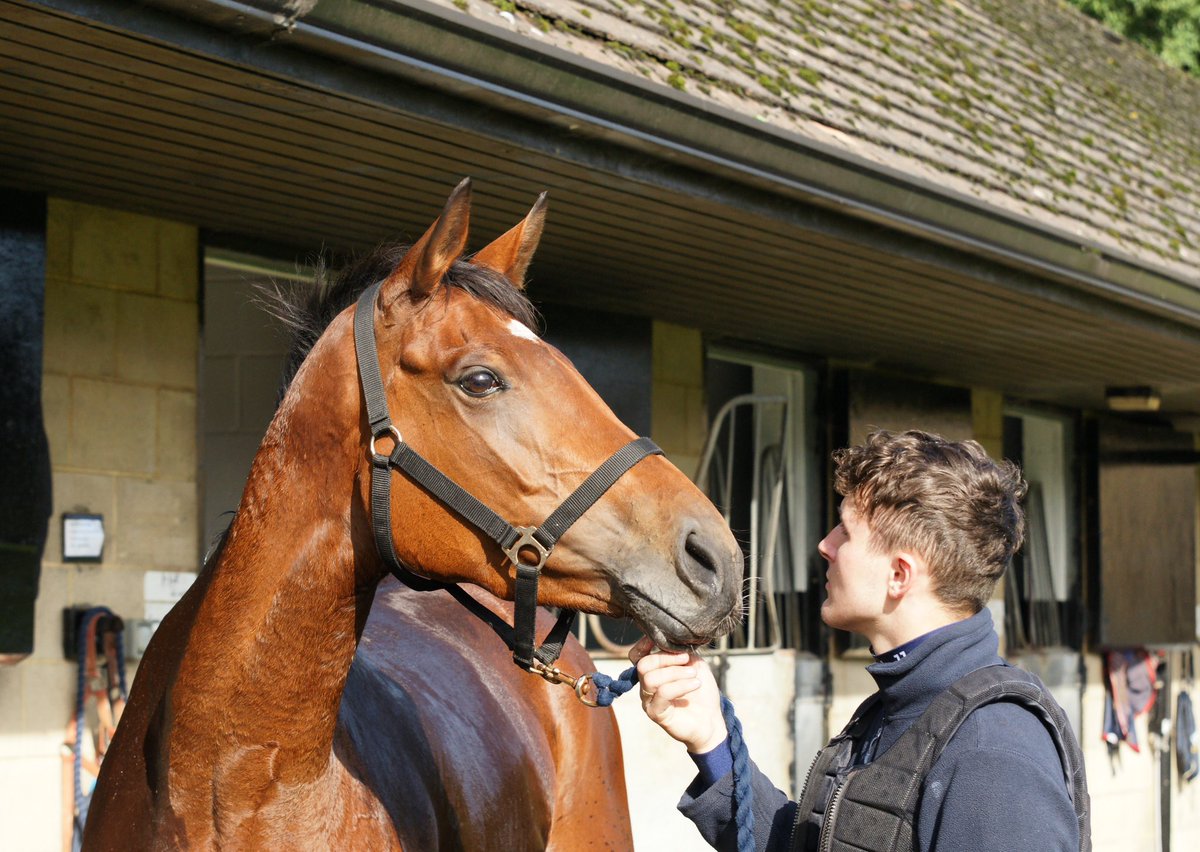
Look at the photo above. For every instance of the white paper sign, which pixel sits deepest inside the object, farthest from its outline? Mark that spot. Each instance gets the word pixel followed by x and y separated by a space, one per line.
pixel 162 589
pixel 83 537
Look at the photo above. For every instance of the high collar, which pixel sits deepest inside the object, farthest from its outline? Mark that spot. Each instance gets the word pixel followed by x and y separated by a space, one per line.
pixel 944 656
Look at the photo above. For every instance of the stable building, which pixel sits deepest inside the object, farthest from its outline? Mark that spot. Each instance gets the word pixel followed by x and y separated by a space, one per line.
pixel 773 227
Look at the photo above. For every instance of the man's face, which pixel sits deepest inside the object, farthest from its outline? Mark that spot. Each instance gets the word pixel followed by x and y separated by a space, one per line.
pixel 857 575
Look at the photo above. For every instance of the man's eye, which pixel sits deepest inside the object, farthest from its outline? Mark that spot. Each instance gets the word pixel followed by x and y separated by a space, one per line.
pixel 479 381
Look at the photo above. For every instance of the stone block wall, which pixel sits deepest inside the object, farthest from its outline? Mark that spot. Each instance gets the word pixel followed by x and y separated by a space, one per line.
pixel 119 392
pixel 678 417
pixel 244 352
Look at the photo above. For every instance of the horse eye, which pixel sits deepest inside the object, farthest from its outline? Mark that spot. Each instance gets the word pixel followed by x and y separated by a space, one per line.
pixel 480 382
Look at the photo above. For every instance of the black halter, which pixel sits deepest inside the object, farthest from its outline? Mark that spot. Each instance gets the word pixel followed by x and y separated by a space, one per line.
pixel 514 541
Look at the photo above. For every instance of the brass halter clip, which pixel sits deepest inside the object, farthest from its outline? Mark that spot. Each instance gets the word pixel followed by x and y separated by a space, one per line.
pixel 554 674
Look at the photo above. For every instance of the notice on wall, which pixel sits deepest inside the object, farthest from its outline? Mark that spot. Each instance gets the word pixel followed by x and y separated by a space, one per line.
pixel 83 537
pixel 163 589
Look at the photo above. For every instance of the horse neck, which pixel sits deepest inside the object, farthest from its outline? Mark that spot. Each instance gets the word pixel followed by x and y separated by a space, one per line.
pixel 260 683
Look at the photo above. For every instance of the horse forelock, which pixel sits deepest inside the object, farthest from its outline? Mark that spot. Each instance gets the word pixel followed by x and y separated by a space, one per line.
pixel 307 310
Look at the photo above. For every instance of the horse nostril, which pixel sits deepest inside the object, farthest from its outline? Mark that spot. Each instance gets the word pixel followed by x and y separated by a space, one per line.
pixel 700 553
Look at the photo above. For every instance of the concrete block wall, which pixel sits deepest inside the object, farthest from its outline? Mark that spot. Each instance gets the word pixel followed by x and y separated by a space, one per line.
pixel 678 418
pixel 244 352
pixel 657 769
pixel 762 686
pixel 119 392
pixel 987 427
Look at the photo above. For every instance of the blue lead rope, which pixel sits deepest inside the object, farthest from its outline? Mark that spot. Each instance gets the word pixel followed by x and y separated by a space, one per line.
pixel 743 795
pixel 84 628
pixel 608 689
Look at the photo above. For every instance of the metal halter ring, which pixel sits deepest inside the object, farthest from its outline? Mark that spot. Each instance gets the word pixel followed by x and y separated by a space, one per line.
pixel 393 431
pixel 513 551
pixel 581 686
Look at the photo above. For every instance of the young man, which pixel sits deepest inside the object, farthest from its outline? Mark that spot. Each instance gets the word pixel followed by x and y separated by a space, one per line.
pixel 928 527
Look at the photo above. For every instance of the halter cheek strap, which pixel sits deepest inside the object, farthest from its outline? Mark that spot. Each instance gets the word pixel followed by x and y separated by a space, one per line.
pixel 518 543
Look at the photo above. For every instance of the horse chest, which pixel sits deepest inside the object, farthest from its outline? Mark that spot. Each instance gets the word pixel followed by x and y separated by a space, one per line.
pixel 435 744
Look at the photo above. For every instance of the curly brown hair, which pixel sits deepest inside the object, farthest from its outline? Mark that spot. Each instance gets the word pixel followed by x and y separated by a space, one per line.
pixel 946 500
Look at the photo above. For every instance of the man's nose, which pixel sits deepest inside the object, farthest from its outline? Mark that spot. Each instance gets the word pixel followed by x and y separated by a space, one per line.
pixel 826 548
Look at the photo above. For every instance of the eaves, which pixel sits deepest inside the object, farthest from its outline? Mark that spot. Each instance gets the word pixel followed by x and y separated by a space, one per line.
pixel 542 86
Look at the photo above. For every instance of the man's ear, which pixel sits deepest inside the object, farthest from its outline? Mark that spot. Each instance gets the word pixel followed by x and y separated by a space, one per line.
pixel 906 568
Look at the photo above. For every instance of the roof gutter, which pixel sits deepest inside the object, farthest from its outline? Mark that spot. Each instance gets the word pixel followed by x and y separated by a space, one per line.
pixel 454 53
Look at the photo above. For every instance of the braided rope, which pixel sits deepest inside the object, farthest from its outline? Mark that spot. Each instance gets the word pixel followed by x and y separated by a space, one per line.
pixel 121 664
pixel 608 689
pixel 742 793
pixel 80 696
pixel 82 638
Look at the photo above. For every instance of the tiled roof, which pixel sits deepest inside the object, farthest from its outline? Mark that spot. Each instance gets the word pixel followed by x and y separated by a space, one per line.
pixel 1026 105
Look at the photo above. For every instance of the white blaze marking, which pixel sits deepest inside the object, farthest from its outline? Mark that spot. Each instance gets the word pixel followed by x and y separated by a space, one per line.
pixel 519 329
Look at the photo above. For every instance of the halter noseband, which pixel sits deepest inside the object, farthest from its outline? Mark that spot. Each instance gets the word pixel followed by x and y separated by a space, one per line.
pixel 513 540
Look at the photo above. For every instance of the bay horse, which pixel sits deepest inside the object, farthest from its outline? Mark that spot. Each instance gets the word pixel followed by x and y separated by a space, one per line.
pixel 277 708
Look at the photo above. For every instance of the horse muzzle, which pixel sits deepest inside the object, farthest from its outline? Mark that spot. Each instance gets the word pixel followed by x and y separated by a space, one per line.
pixel 698 602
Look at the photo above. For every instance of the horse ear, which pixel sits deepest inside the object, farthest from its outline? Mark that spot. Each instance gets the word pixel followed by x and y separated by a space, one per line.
pixel 431 257
pixel 510 254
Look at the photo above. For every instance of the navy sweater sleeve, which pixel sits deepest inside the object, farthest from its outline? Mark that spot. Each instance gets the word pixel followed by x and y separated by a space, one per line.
pixel 997 787
pixel 713 765
pixel 712 810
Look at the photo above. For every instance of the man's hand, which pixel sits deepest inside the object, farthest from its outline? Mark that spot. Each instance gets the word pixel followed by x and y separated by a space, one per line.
pixel 680 694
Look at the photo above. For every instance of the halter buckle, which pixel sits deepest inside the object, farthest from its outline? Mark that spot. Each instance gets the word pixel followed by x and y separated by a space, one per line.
pixel 527 540
pixel 386 430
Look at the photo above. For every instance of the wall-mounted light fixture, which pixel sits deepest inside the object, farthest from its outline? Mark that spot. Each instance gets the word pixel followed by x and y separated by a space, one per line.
pixel 1135 398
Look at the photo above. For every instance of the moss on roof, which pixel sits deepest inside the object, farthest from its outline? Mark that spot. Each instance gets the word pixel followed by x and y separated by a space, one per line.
pixel 1026 105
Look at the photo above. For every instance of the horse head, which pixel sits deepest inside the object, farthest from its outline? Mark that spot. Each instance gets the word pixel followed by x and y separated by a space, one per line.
pixel 473 388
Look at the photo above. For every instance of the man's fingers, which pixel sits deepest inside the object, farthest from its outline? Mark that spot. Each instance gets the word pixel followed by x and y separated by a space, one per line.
pixel 676 689
pixel 655 679
pixel 640 648
pixel 661 660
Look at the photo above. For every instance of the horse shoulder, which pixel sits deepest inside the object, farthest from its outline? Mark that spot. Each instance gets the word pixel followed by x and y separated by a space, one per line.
pixel 130 803
pixel 593 811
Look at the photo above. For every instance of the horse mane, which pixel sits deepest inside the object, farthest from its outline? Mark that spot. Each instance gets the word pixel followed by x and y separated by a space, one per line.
pixel 307 310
